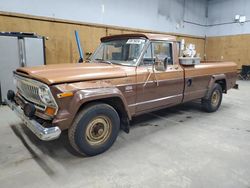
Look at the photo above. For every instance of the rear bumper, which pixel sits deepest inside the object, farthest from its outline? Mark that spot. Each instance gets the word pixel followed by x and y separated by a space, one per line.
pixel 41 132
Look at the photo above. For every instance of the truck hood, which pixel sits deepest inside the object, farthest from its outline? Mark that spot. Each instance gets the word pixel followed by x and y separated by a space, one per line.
pixel 66 73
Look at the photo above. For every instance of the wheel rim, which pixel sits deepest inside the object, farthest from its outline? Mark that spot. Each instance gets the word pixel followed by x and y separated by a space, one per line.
pixel 215 98
pixel 98 130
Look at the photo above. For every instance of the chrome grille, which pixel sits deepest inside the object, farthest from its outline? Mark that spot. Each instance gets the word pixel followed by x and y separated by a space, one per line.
pixel 29 90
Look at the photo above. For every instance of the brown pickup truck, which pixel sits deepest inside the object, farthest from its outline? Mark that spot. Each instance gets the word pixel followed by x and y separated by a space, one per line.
pixel 126 76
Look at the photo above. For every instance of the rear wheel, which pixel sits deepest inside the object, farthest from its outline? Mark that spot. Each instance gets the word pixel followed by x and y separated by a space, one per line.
pixel 95 129
pixel 213 102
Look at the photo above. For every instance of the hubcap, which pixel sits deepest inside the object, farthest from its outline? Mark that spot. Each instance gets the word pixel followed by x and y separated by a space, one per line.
pixel 98 130
pixel 215 98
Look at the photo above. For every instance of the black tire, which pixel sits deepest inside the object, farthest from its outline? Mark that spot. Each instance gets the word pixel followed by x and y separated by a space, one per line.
pixel 84 132
pixel 211 104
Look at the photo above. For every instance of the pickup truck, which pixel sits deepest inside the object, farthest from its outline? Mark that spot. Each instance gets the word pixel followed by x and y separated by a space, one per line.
pixel 126 76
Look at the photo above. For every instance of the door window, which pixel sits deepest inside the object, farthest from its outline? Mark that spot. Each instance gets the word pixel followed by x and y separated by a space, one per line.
pixel 160 50
pixel 163 51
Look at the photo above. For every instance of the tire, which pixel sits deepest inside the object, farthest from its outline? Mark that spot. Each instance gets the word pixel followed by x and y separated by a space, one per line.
pixel 95 129
pixel 213 102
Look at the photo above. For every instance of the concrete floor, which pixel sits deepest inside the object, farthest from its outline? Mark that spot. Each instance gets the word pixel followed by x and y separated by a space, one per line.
pixel 176 147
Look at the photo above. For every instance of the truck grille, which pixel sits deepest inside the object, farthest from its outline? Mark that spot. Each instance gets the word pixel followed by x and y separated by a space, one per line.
pixel 28 89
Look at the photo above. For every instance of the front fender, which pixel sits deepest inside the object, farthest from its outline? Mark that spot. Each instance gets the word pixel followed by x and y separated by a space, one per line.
pixel 88 95
pixel 69 110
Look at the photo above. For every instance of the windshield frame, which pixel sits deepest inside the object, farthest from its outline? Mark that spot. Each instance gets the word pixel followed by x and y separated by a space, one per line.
pixel 147 42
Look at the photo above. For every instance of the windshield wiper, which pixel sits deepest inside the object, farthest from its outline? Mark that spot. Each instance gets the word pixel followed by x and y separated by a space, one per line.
pixel 104 61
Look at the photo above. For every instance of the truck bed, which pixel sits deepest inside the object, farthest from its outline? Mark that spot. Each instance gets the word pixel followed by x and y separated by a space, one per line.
pixel 201 74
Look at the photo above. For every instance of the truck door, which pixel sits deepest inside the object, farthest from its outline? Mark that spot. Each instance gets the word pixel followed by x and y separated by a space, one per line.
pixel 156 89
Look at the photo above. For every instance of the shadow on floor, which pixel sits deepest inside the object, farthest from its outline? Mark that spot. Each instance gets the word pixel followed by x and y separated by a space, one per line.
pixel 193 107
pixel 60 149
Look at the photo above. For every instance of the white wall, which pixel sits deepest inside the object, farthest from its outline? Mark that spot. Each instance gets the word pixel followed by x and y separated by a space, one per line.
pixel 221 15
pixel 156 15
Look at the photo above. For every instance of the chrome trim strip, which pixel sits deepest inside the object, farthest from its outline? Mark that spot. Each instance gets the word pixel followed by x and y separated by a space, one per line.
pixel 149 82
pixel 41 132
pixel 155 100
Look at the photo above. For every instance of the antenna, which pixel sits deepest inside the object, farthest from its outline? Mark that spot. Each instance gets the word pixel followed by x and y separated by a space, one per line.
pixel 79 47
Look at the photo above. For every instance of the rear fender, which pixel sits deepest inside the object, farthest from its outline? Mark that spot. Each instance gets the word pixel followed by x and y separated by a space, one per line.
pixel 214 79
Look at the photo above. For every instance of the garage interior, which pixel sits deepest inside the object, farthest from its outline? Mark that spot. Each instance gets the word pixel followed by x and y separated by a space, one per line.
pixel 180 146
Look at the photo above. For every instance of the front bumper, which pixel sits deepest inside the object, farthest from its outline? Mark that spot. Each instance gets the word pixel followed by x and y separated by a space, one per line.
pixel 40 131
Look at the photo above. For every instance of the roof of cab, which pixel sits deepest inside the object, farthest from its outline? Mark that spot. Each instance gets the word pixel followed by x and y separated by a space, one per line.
pixel 140 35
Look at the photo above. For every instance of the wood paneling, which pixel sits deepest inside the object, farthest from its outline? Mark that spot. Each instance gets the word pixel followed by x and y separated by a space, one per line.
pixel 230 48
pixel 61 45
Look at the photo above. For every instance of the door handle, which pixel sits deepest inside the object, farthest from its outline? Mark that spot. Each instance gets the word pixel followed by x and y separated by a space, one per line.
pixel 189 82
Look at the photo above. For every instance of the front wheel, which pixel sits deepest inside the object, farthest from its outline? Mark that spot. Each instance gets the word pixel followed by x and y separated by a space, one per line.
pixel 213 102
pixel 95 129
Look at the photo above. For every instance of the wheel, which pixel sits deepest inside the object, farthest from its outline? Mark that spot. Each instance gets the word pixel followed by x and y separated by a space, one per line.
pixel 213 102
pixel 95 129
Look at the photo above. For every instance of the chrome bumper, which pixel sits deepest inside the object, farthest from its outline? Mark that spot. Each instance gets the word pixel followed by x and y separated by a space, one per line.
pixel 41 132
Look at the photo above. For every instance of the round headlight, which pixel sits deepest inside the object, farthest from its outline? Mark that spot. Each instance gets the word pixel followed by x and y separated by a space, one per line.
pixel 44 95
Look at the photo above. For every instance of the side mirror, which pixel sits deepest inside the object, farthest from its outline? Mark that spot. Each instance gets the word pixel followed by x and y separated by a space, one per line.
pixel 161 65
pixel 88 55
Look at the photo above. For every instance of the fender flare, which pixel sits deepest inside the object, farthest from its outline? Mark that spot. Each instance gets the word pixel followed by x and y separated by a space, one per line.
pixel 212 81
pixel 89 95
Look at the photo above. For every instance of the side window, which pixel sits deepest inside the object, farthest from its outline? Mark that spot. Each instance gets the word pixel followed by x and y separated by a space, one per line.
pixel 148 58
pixel 163 51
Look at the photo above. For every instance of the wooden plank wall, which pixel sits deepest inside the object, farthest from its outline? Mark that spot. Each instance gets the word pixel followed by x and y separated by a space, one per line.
pixel 229 48
pixel 61 46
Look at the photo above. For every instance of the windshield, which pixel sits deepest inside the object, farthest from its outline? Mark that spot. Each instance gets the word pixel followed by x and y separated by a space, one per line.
pixel 123 51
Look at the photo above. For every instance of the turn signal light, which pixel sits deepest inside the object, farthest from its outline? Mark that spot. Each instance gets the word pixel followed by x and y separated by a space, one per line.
pixel 50 111
pixel 65 94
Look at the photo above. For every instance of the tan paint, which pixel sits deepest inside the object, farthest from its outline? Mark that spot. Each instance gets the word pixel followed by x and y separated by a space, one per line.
pixel 65 73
